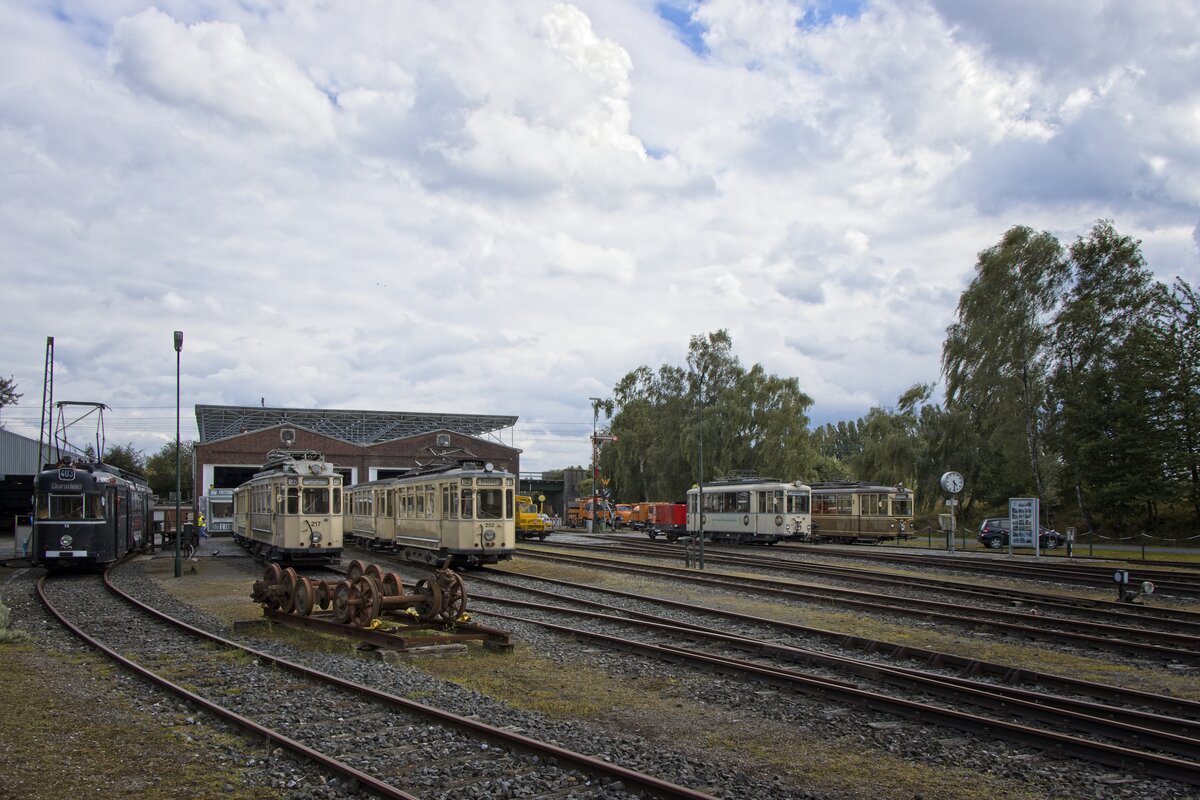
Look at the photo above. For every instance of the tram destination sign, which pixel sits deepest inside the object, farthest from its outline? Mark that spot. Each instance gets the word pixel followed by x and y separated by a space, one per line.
pixel 1023 515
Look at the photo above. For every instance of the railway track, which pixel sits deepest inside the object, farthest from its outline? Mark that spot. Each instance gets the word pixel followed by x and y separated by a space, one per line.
pixel 1135 738
pixel 1182 581
pixel 1141 642
pixel 417 750
pixel 1145 615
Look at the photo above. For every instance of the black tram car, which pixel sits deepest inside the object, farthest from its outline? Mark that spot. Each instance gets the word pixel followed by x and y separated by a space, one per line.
pixel 88 515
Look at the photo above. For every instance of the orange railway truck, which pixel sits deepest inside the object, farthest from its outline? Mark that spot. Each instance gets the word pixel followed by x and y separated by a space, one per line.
pixel 579 512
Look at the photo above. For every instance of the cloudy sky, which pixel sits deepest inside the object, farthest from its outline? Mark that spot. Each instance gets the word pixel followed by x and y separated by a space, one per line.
pixel 503 207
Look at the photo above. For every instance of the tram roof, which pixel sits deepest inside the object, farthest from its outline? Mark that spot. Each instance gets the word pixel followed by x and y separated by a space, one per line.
pixel 357 427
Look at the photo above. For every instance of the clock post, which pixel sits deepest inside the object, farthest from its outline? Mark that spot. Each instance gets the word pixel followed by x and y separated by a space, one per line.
pixel 952 482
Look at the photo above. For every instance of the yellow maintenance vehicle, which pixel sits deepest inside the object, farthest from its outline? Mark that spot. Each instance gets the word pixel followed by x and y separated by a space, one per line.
pixel 530 522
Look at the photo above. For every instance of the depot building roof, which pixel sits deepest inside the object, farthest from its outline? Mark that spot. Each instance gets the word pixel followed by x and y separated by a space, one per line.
pixel 357 427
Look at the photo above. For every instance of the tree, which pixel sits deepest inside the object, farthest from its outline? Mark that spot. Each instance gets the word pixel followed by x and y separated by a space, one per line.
pixel 1111 300
pixel 8 392
pixel 160 469
pixel 1177 347
pixel 996 358
pixel 125 457
pixel 752 421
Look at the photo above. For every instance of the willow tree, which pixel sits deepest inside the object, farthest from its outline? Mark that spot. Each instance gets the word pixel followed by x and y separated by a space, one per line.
pixel 751 420
pixel 997 354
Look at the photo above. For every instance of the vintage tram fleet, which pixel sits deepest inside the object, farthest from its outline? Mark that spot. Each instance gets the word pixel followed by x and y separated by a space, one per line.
pixel 88 514
pixel 296 510
pixel 465 514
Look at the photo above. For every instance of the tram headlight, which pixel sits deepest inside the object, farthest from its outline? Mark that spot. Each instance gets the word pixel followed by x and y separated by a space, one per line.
pixel 489 536
pixel 315 537
pixel 65 541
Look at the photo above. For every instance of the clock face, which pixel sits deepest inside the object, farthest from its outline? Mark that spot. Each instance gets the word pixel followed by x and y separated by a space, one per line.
pixel 952 482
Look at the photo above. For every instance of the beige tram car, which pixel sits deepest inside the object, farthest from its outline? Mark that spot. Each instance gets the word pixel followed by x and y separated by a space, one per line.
pixel 291 510
pixel 464 515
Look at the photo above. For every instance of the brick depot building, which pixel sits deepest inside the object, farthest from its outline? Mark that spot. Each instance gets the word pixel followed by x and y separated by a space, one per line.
pixel 363 445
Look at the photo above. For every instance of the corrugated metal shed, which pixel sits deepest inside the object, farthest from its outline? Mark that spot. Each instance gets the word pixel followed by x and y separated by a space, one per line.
pixel 19 454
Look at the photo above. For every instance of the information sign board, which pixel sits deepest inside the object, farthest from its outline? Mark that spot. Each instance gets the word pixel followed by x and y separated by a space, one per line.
pixel 1023 516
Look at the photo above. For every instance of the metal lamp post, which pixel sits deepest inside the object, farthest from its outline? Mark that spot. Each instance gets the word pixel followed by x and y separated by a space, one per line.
pixel 700 482
pixel 595 465
pixel 178 473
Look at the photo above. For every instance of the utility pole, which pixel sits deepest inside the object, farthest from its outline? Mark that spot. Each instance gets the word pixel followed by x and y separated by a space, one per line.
pixel 595 464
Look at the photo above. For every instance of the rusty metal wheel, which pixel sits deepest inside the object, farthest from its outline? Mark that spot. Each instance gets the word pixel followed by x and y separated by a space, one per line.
pixel 430 605
pixel 342 610
pixel 354 569
pixel 290 579
pixel 304 597
pixel 454 596
pixel 375 572
pixel 273 575
pixel 370 597
pixel 325 594
pixel 392 585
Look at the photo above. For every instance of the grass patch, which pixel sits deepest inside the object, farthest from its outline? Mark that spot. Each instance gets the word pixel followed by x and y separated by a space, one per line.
pixel 660 710
pixel 7 633
pixel 60 742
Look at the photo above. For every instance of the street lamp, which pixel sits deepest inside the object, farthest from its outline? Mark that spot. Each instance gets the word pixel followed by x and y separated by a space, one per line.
pixel 700 452
pixel 595 464
pixel 178 474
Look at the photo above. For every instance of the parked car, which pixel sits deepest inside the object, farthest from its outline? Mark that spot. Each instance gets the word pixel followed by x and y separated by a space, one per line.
pixel 993 533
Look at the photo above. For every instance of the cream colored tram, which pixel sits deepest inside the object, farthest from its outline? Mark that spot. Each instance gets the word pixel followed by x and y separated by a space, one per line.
pixel 464 515
pixel 749 510
pixel 370 518
pixel 291 510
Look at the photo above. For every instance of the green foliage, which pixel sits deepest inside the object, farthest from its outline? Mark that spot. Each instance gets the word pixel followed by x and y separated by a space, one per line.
pixel 996 356
pixel 127 458
pixel 750 421
pixel 8 392
pixel 160 469
pixel 1071 376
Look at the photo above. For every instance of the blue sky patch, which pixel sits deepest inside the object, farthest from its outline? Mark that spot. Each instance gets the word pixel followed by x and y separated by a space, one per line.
pixel 687 29
pixel 824 12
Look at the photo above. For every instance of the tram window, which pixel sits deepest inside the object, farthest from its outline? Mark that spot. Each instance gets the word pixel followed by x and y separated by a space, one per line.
pixel 902 507
pixel 66 506
pixel 95 506
pixel 420 504
pixel 337 500
pixel 316 501
pixel 453 503
pixel 797 503
pixel 490 504
pixel 508 504
pixel 874 505
pixel 467 513
pixel 293 500
pixel 743 502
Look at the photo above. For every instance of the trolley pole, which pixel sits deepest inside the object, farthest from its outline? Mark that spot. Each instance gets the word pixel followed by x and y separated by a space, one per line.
pixel 178 473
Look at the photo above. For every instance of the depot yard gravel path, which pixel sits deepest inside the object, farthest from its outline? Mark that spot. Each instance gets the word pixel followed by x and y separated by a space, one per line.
pixel 734 739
